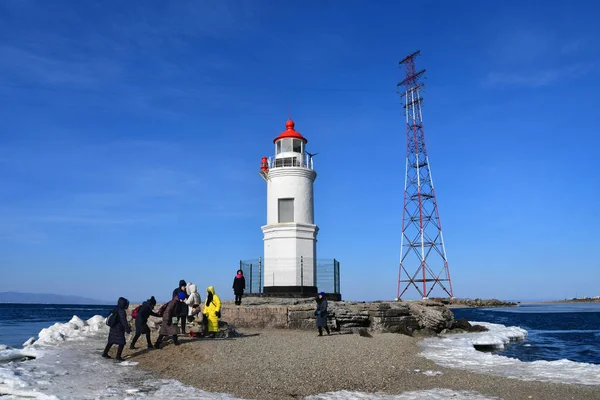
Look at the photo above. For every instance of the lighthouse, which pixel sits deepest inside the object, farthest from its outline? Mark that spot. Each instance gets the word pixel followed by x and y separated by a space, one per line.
pixel 290 234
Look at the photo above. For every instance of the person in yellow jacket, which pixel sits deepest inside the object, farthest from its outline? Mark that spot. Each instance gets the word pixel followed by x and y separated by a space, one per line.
pixel 212 310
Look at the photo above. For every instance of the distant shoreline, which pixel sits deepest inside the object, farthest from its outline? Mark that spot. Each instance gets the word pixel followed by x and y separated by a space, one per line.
pixel 47 298
pixel 562 301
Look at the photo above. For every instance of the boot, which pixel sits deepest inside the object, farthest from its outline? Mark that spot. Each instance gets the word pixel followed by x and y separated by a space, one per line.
pixel 148 341
pixel 119 353
pixel 132 345
pixel 106 350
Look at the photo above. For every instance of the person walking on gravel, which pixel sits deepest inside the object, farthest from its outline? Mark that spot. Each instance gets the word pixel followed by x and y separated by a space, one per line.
pixel 117 329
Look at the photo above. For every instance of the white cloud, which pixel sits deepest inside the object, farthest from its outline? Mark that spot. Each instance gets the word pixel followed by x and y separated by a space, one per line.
pixel 535 58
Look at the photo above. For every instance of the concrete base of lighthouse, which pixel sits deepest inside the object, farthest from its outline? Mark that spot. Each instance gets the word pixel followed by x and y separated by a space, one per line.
pixel 290 291
pixel 290 265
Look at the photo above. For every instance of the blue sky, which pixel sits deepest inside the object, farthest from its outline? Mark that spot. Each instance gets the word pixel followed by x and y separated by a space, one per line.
pixel 132 133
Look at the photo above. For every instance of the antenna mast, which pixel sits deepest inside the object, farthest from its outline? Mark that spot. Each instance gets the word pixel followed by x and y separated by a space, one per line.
pixel 422 249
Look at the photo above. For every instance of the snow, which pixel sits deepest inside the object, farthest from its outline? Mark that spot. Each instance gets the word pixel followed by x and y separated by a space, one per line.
pixel 16 354
pixel 458 351
pixel 75 329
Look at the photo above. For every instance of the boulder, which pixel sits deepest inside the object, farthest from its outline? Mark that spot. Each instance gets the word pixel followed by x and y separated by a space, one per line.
pixel 478 328
pixel 462 323
pixel 432 315
pixel 424 333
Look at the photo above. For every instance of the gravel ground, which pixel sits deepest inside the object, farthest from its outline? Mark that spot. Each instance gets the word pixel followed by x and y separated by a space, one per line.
pixel 286 364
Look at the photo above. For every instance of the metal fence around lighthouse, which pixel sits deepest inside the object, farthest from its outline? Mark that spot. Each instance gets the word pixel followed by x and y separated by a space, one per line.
pixel 327 273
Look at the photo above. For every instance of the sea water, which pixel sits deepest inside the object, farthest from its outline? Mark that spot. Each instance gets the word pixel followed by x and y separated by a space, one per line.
pixel 549 342
pixel 64 360
pixel 19 322
pixel 554 331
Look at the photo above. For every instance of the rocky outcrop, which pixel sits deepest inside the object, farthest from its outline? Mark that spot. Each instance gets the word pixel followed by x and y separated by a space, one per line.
pixel 413 318
pixel 393 317
pixel 408 318
pixel 462 326
pixel 476 303
pixel 432 315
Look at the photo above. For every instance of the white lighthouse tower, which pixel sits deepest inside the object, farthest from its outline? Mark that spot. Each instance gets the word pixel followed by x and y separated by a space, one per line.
pixel 290 235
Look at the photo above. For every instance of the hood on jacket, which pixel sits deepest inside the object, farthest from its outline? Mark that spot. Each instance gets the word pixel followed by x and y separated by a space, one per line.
pixel 151 301
pixel 182 283
pixel 210 290
pixel 123 303
pixel 193 288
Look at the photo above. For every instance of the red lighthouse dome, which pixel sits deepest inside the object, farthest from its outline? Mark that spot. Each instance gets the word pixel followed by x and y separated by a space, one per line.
pixel 290 133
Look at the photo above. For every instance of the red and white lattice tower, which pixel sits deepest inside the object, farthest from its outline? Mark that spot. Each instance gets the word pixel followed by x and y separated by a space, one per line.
pixel 423 261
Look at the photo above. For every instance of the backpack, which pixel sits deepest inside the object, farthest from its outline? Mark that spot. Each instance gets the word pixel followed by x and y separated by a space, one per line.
pixel 136 312
pixel 112 318
pixel 162 309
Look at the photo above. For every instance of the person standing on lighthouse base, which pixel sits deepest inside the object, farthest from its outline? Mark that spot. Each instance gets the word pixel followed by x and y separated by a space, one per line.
pixel 239 284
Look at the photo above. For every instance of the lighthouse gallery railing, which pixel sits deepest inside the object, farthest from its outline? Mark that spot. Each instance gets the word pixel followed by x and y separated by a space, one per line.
pixel 296 160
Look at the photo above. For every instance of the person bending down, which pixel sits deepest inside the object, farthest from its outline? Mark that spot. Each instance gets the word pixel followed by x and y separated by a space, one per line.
pixel 141 322
pixel 167 328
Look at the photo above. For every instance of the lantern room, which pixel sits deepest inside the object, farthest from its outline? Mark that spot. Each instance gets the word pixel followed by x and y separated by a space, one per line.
pixel 290 148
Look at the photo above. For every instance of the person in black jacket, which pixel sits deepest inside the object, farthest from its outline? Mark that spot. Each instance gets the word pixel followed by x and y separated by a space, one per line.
pixel 118 329
pixel 239 284
pixel 141 322
pixel 181 310
pixel 321 313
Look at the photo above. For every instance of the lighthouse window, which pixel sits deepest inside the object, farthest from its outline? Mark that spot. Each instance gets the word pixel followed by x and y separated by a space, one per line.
pixel 297 146
pixel 286 145
pixel 278 147
pixel 286 210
